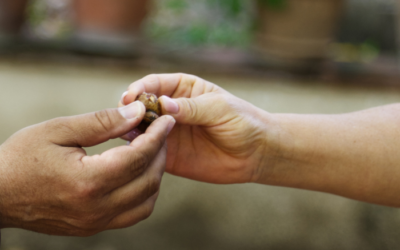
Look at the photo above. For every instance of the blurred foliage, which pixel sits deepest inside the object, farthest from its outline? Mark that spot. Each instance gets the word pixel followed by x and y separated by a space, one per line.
pixel 202 22
pixel 49 19
pixel 231 7
pixel 36 12
pixel 274 4
pixel 181 23
pixel 365 52
pixel 177 5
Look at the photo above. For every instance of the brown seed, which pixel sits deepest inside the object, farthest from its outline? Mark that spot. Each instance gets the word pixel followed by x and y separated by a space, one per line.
pixel 153 110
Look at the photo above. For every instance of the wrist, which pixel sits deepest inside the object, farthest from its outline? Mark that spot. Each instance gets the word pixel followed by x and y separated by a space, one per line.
pixel 270 149
pixel 277 153
pixel 296 155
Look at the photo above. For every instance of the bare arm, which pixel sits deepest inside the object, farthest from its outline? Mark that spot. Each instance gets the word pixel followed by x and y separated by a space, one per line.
pixel 220 138
pixel 356 155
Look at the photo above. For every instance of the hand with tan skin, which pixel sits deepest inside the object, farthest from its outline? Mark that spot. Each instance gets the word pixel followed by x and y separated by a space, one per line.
pixel 220 138
pixel 49 185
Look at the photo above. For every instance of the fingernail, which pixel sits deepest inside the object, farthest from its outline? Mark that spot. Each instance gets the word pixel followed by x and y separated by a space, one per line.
pixel 123 97
pixel 171 126
pixel 169 105
pixel 131 111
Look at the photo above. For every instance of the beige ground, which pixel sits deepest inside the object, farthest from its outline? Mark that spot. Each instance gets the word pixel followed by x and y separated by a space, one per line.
pixel 192 215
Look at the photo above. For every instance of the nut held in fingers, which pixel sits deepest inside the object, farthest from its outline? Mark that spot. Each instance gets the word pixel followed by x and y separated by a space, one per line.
pixel 153 110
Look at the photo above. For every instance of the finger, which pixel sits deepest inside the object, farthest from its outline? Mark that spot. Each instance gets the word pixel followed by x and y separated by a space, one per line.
pixel 143 187
pixel 174 85
pixel 118 166
pixel 206 110
pixel 156 84
pixel 132 135
pixel 94 128
pixel 134 215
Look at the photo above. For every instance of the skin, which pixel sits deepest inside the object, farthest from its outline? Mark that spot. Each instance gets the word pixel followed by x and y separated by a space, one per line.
pixel 49 185
pixel 220 138
pixel 207 146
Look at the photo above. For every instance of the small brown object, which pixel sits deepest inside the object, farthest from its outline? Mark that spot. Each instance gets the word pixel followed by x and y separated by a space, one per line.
pixel 153 110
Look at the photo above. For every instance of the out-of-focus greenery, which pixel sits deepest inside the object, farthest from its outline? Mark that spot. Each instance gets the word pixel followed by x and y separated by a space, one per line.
pixel 365 52
pixel 202 22
pixel 231 7
pixel 36 12
pixel 49 19
pixel 274 4
pixel 176 5
pixel 182 23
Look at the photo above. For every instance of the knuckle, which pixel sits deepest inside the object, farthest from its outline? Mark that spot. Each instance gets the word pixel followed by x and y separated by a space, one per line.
pixel 91 223
pixel 86 190
pixel 139 164
pixel 152 78
pixel 182 77
pixel 223 99
pixel 91 220
pixel 191 106
pixel 226 103
pixel 187 79
pixel 152 186
pixel 104 118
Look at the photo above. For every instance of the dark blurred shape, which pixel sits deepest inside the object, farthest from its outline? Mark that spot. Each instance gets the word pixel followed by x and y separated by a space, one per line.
pixel 296 34
pixel 12 14
pixel 373 22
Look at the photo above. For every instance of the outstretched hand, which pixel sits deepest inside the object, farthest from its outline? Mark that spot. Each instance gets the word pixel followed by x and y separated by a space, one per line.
pixel 48 184
pixel 218 137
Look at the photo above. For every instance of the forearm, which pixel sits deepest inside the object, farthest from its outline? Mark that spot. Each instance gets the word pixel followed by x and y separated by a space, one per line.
pixel 355 155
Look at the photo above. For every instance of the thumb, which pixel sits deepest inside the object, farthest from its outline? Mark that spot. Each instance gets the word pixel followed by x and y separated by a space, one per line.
pixel 204 110
pixel 94 128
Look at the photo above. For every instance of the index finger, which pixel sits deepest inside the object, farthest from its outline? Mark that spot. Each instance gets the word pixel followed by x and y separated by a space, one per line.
pixel 172 85
pixel 118 166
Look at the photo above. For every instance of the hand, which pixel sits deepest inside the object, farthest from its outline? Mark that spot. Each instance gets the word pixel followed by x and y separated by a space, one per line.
pixel 218 138
pixel 49 185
